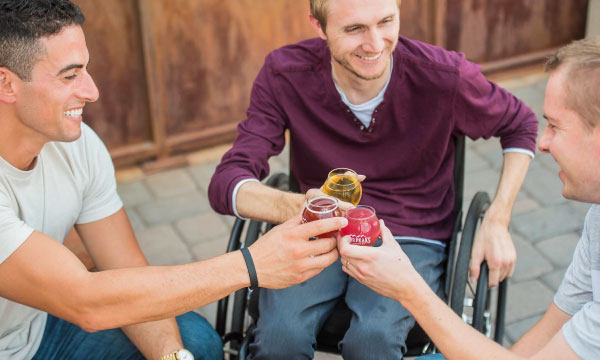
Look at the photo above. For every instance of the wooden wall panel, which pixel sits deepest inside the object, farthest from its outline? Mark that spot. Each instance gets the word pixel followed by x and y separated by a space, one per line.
pixel 210 52
pixel 492 30
pixel 112 30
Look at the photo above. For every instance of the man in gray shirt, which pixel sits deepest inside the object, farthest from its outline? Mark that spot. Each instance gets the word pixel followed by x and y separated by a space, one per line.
pixel 570 328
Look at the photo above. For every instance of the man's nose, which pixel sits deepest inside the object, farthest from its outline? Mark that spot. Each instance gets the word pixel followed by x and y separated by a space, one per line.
pixel 88 90
pixel 544 142
pixel 374 42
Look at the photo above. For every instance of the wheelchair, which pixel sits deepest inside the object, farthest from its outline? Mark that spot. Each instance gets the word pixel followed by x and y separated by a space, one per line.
pixel 482 308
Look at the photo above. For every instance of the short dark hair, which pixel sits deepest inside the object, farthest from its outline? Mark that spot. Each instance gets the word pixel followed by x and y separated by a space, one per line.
pixel 581 61
pixel 24 22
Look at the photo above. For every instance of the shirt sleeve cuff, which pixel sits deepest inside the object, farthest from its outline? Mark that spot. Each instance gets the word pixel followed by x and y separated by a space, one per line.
pixel 235 191
pixel 519 150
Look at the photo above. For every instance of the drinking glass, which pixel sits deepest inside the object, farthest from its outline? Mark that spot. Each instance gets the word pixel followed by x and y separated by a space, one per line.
pixel 363 226
pixel 321 207
pixel 343 184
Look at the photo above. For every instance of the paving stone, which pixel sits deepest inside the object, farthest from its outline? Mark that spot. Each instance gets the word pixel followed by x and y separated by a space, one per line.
pixel 134 218
pixel 559 249
pixel 162 246
pixel 165 210
pixel 532 97
pixel 553 279
pixel 133 193
pixel 544 186
pixel 474 162
pixel 482 180
pixel 327 356
pixel 547 222
pixel 209 312
pixel 203 173
pixel 209 249
pixel 526 299
pixel 229 220
pixel 201 228
pixel 517 329
pixel 170 183
pixel 491 150
pixel 530 264
pixel 524 204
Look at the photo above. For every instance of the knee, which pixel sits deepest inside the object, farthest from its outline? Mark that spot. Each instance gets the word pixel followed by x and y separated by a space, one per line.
pixel 374 342
pixel 199 337
pixel 281 340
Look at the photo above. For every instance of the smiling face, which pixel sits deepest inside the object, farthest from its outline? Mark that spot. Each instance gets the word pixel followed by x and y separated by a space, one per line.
pixel 50 106
pixel 572 143
pixel 361 36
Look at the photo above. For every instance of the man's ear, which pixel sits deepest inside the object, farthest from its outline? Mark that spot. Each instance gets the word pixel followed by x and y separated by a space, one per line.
pixel 317 26
pixel 7 93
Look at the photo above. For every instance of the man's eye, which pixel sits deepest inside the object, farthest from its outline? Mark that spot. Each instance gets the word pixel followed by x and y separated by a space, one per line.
pixel 352 29
pixel 71 77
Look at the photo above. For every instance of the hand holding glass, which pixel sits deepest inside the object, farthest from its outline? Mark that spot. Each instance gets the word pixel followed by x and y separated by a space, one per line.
pixel 343 184
pixel 321 207
pixel 363 226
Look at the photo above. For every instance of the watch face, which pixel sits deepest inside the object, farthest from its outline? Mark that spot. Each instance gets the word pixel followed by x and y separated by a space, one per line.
pixel 183 354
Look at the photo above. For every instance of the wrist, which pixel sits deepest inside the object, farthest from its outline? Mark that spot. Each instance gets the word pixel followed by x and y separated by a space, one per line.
pixel 498 214
pixel 181 354
pixel 411 290
pixel 290 205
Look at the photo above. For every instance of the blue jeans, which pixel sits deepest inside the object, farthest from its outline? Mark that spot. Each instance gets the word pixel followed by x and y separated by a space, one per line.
pixel 63 340
pixel 291 318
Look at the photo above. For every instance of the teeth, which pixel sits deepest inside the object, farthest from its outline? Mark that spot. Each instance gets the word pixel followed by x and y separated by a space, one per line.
pixel 371 58
pixel 74 112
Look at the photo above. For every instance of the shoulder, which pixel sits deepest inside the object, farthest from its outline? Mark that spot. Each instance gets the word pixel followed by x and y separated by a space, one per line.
pixel 88 150
pixel 417 53
pixel 592 221
pixel 303 56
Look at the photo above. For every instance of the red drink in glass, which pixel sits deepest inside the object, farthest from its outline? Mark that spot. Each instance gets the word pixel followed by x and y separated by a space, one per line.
pixel 322 207
pixel 363 226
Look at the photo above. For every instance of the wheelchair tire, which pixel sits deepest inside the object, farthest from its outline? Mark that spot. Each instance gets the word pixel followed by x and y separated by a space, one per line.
pixel 480 202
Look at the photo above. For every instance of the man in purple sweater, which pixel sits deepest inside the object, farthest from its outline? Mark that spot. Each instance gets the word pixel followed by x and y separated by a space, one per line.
pixel 388 107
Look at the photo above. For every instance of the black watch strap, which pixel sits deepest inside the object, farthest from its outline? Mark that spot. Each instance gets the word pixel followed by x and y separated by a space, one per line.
pixel 251 268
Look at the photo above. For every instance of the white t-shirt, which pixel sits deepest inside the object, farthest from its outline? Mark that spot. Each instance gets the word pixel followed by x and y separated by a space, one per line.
pixel 579 292
pixel 71 183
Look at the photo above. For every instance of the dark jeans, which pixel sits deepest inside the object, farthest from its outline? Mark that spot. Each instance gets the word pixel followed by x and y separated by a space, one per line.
pixel 63 340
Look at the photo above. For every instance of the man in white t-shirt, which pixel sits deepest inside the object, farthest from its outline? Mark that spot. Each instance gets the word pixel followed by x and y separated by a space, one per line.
pixel 55 173
pixel 570 328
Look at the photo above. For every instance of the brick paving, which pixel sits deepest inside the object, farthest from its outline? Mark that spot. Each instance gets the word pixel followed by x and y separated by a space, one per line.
pixel 175 224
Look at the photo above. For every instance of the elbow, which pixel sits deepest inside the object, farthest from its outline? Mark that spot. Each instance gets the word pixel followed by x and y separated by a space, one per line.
pixel 85 319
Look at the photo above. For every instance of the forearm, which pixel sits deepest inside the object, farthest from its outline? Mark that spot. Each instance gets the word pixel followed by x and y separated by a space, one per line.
pixel 116 298
pixel 258 201
pixel 514 169
pixel 542 332
pixel 155 338
pixel 452 336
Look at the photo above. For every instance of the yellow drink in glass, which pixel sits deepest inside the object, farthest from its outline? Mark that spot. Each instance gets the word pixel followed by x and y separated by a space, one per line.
pixel 343 184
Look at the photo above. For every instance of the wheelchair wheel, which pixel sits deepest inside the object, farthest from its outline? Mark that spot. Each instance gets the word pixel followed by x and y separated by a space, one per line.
pixel 478 300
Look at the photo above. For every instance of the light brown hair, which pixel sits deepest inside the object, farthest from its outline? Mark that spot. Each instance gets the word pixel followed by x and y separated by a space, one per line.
pixel 318 9
pixel 581 61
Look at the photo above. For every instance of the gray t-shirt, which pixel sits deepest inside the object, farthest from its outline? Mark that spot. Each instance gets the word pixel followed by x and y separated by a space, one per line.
pixel 579 293
pixel 71 183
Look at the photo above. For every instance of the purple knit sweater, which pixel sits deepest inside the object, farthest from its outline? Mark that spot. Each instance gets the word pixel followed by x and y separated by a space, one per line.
pixel 407 153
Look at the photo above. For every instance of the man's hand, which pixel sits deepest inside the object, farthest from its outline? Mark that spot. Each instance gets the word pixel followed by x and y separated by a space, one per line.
pixel 311 193
pixel 385 269
pixel 285 256
pixel 494 244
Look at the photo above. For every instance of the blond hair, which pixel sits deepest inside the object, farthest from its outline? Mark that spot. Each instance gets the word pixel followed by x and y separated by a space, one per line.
pixel 318 9
pixel 581 61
